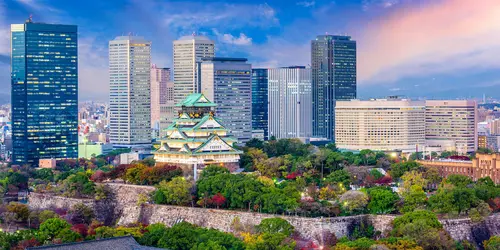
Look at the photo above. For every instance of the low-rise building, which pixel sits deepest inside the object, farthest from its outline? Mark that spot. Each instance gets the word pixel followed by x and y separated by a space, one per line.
pixel 484 165
pixel 47 163
pixel 92 149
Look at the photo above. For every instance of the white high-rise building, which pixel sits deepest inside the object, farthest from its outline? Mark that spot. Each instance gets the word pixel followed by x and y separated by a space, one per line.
pixel 228 83
pixel 381 124
pixel 160 93
pixel 129 95
pixel 452 120
pixel 290 102
pixel 188 52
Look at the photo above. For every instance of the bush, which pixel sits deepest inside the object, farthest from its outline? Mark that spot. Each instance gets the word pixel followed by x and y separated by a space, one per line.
pixel 20 210
pixel 275 225
pixel 492 244
pixel 354 201
pixel 52 227
pixel 81 214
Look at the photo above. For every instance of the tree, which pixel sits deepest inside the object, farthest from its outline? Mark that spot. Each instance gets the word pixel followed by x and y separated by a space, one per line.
pixel 81 214
pixel 275 225
pixel 398 169
pixel 255 143
pixel 463 199
pixel 218 200
pixel 480 212
pixel 52 227
pixel 353 201
pixel 46 214
pixel 493 243
pixel 177 191
pixel 78 185
pixel 412 178
pixel 413 199
pixel 459 180
pixel 20 210
pixel 382 200
pixel 67 235
pixel 213 170
pixel 153 234
pixel 340 177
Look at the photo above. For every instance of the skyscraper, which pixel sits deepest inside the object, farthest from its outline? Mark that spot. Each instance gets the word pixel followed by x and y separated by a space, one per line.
pixel 290 102
pixel 228 83
pixel 159 92
pixel 188 52
pixel 44 78
pixel 129 94
pixel 259 102
pixel 452 120
pixel 333 65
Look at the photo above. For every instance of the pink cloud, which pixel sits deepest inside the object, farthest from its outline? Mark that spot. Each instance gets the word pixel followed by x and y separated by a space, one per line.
pixel 440 36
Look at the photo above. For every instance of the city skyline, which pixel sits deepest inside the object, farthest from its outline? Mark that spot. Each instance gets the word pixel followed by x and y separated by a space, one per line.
pixel 425 62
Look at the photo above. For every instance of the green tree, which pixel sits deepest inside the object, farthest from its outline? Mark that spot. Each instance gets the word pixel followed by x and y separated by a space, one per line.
pixel 459 180
pixel 52 227
pixel 81 214
pixel 46 214
pixel 20 210
pixel 340 176
pixel 275 225
pixel 463 199
pixel 154 233
pixel 177 191
pixel 354 201
pixel 66 235
pixel 493 243
pixel 213 170
pixel 382 200
pixel 78 185
pixel 413 199
pixel 399 169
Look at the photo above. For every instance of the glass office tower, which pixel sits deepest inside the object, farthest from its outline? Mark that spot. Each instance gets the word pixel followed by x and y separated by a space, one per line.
pixel 260 101
pixel 44 78
pixel 333 66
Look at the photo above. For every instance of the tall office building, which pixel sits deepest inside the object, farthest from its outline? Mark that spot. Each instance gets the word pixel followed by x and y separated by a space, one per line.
pixel 228 83
pixel 167 110
pixel 129 94
pixel 333 65
pixel 160 93
pixel 44 78
pixel 290 102
pixel 188 52
pixel 260 103
pixel 452 120
pixel 382 124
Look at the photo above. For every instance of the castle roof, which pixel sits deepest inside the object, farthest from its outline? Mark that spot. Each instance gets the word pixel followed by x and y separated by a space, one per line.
pixel 196 100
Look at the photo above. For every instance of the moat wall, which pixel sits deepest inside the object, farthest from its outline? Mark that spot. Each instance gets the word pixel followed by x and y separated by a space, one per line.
pixel 122 208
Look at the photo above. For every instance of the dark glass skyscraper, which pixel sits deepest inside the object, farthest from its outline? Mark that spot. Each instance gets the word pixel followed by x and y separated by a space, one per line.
pixel 260 100
pixel 333 65
pixel 44 78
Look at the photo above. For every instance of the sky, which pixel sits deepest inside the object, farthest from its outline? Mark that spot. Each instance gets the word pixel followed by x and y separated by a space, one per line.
pixel 413 48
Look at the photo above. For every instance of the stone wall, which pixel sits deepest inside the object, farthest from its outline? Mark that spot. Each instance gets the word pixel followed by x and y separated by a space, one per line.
pixel 123 209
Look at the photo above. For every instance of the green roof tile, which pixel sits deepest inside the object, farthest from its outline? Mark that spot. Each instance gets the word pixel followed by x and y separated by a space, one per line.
pixel 196 100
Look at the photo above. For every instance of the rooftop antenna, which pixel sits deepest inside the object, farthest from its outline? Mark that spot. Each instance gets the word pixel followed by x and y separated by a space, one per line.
pixel 194 33
pixel 30 18
pixel 130 34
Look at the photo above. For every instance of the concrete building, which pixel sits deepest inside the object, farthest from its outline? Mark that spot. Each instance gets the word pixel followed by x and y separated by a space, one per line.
pixel 454 120
pixel 44 84
pixel 47 163
pixel 333 65
pixel 90 149
pixel 228 83
pixel 188 52
pixel 483 165
pixel 290 102
pixel 160 93
pixel 380 124
pixel 129 95
pixel 260 100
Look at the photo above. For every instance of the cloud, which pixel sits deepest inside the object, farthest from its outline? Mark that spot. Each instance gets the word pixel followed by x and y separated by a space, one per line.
pixel 4 32
pixel 307 3
pixel 369 4
pixel 183 17
pixel 241 40
pixel 449 36
pixel 92 69
pixel 37 5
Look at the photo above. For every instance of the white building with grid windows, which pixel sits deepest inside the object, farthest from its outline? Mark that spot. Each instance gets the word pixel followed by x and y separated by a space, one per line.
pixel 129 92
pixel 380 124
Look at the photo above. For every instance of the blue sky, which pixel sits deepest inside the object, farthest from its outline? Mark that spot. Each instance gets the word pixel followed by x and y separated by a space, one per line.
pixel 433 48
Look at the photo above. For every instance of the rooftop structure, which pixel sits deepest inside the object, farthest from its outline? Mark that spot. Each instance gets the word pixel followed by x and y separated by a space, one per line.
pixel 197 138
pixel 118 243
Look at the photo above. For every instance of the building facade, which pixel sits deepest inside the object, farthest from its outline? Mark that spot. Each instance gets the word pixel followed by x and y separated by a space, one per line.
pixel 129 93
pixel 44 80
pixel 483 165
pixel 228 83
pixel 454 120
pixel 260 101
pixel 198 138
pixel 381 124
pixel 188 52
pixel 160 93
pixel 290 102
pixel 333 66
